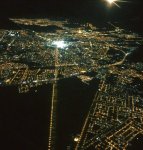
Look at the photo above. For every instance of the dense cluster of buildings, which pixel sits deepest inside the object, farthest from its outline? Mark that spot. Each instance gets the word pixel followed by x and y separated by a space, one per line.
pixel 30 58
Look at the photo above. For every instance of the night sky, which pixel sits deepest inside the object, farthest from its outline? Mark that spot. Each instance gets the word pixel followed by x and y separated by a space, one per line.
pixel 71 8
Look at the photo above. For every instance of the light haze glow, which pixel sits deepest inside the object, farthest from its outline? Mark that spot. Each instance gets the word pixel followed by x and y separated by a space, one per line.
pixel 60 44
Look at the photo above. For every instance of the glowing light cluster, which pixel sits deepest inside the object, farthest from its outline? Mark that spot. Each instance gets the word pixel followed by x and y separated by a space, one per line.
pixel 59 44
pixel 76 139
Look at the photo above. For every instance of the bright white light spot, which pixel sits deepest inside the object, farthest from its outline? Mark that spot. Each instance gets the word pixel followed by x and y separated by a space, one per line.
pixel 60 44
pixel 35 81
pixel 76 139
pixel 79 31
pixel 110 2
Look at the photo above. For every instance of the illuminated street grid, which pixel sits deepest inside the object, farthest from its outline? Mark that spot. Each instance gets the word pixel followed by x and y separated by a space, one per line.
pixel 115 119
pixel 32 58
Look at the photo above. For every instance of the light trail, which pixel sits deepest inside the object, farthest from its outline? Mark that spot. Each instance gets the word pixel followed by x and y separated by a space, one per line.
pixel 86 121
pixel 52 129
pixel 120 62
pixel 2 37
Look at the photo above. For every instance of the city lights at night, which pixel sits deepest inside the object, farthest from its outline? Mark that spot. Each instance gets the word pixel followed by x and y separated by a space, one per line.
pixel 71 75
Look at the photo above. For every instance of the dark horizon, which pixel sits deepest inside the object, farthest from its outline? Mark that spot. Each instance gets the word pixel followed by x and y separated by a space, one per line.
pixel 72 8
pixel 95 11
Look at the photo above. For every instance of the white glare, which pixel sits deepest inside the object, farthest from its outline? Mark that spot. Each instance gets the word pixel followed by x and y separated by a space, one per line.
pixel 113 2
pixel 110 1
pixel 60 44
